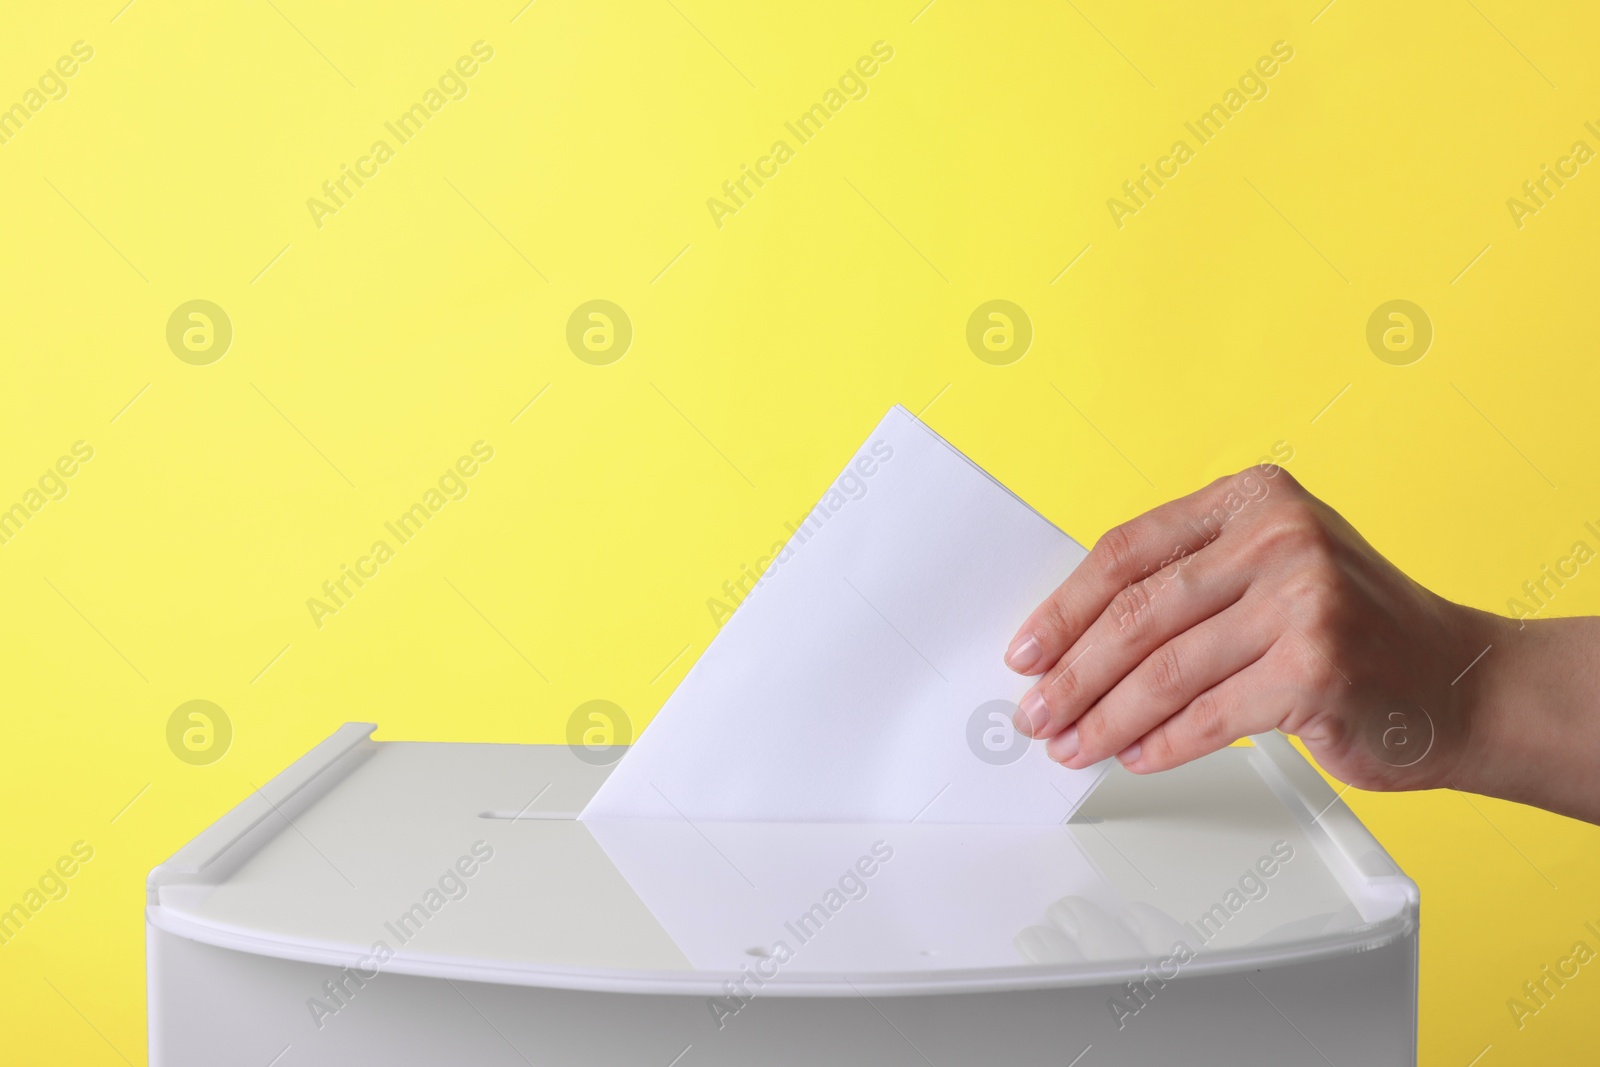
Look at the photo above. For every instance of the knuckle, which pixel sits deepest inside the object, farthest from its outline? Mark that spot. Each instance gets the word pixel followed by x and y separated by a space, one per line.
pixel 1161 745
pixel 1130 607
pixel 1295 530
pixel 1094 733
pixel 1182 575
pixel 1055 622
pixel 1314 670
pixel 1209 719
pixel 1249 483
pixel 1317 584
pixel 1286 534
pixel 1316 595
pixel 1165 674
pixel 1116 553
pixel 1278 476
pixel 1063 688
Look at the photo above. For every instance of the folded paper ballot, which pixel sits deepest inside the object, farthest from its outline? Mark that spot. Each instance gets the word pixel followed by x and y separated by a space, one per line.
pixel 862 680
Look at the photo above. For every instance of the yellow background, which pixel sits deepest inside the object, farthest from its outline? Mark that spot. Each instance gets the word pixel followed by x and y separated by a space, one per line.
pixel 371 352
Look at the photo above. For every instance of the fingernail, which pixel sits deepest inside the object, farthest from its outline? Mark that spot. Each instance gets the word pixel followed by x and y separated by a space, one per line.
pixel 1033 716
pixel 1130 755
pixel 1065 746
pixel 1024 654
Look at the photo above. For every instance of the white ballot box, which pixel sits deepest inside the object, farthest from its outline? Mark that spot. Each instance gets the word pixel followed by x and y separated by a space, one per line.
pixel 408 903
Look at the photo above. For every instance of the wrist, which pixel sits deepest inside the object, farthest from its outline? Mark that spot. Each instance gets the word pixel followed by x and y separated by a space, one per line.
pixel 1480 697
pixel 1528 712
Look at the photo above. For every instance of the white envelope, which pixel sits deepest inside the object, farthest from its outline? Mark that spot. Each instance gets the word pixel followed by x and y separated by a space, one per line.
pixel 862 679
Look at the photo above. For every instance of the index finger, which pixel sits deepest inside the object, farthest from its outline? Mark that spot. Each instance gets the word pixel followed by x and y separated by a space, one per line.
pixel 1124 554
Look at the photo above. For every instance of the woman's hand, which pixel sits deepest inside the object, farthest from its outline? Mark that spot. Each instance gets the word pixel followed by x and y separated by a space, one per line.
pixel 1251 605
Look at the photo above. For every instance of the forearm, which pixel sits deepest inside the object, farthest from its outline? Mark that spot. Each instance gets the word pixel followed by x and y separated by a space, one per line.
pixel 1534 718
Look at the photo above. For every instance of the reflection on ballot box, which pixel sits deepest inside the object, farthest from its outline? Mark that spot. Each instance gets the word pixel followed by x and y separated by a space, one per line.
pixel 1230 911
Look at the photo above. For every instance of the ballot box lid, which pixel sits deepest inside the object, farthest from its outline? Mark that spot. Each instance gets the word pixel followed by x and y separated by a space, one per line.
pixel 467 861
